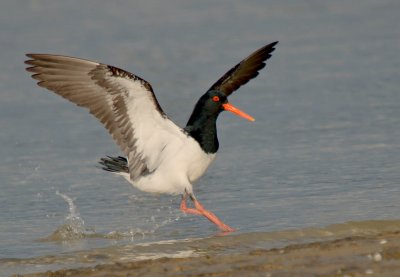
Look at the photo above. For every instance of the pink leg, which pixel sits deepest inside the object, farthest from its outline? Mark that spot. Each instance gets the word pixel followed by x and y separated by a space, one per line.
pixel 200 210
pixel 187 210
pixel 212 217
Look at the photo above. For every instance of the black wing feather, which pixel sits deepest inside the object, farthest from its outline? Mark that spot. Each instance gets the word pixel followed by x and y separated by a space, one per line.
pixel 244 71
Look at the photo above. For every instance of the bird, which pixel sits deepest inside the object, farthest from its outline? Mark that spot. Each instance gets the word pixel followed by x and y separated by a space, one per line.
pixel 158 156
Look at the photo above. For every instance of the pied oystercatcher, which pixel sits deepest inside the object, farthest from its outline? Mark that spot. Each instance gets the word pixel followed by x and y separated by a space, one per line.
pixel 160 156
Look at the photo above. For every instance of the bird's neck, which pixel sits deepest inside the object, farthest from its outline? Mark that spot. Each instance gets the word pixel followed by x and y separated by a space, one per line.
pixel 203 128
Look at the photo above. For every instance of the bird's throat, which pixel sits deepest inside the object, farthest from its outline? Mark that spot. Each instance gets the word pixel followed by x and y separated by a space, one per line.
pixel 204 130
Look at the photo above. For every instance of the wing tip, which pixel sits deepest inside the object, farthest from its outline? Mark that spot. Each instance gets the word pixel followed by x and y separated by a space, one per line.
pixel 30 61
pixel 35 56
pixel 266 50
pixel 269 48
pixel 250 67
pixel 272 44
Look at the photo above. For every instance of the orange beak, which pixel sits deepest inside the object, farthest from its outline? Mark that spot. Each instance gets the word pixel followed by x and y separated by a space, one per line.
pixel 233 109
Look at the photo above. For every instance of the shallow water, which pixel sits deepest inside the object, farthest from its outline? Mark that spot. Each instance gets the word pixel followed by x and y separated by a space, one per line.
pixel 191 247
pixel 324 150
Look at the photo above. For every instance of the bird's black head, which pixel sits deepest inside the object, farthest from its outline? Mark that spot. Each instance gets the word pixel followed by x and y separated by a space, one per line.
pixel 202 123
pixel 212 103
pixel 209 106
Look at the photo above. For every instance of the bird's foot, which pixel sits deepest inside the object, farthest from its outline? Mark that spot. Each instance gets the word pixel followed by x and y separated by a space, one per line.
pixel 200 210
pixel 212 217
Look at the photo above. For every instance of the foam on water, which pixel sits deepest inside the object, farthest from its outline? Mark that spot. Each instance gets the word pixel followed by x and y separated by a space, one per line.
pixel 234 243
pixel 138 233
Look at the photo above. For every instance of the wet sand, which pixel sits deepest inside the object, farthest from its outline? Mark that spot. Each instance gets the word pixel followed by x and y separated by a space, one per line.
pixel 370 255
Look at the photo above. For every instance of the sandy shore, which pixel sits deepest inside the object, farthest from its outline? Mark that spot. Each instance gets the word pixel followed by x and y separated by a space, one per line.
pixel 377 255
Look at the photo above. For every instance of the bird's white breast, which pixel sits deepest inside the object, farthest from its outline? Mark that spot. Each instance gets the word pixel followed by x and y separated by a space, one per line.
pixel 181 164
pixel 197 161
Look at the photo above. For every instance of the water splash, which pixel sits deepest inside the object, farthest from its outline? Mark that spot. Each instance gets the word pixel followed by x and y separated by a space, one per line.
pixel 74 226
pixel 137 234
pixel 73 211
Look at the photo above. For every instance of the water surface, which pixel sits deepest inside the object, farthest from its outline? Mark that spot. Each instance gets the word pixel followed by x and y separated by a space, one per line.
pixel 324 149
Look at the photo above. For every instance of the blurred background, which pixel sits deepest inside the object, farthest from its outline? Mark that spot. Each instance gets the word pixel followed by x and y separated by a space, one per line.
pixel 324 148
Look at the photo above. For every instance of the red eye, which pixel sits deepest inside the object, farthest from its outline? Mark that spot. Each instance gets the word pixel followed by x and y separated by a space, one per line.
pixel 215 98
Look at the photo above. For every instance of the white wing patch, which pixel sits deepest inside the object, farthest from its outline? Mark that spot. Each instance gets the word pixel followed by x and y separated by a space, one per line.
pixel 122 101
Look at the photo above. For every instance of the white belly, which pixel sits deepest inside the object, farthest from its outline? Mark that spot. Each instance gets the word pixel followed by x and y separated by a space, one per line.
pixel 179 168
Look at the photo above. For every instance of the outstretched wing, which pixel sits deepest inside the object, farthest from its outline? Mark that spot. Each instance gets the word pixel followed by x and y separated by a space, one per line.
pixel 244 71
pixel 122 101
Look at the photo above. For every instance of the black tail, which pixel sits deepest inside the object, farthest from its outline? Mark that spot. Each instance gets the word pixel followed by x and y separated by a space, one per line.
pixel 114 164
